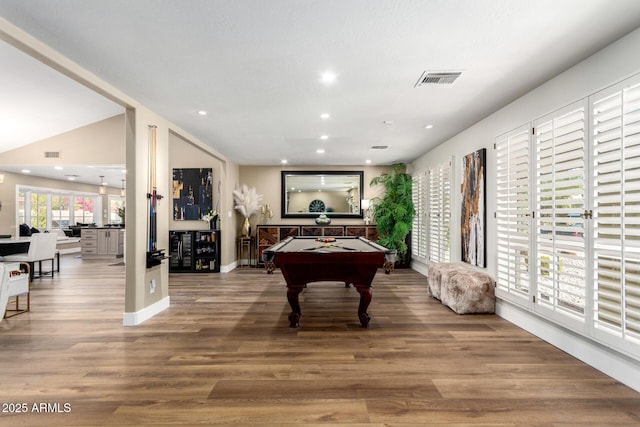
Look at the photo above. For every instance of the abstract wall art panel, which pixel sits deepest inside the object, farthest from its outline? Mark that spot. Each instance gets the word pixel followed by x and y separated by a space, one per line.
pixel 473 215
pixel 192 193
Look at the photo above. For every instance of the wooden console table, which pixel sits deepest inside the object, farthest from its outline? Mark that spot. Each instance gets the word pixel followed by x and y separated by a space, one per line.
pixel 268 235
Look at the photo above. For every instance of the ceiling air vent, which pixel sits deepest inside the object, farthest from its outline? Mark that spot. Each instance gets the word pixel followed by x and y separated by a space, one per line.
pixel 379 147
pixel 52 154
pixel 437 78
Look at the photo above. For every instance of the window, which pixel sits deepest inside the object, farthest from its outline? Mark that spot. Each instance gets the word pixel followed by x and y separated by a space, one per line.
pixel 50 209
pixel 419 229
pixel 568 216
pixel 38 210
pixel 116 207
pixel 60 211
pixel 83 209
pixel 616 210
pixel 22 210
pixel 513 212
pixel 559 209
pixel 439 211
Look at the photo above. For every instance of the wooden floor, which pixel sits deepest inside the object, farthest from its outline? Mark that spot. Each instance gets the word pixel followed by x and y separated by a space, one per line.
pixel 223 354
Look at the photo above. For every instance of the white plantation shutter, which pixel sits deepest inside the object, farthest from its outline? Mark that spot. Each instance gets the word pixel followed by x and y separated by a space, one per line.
pixel 560 148
pixel 567 215
pixel 446 171
pixel 513 209
pixel 439 212
pixel 419 228
pixel 616 211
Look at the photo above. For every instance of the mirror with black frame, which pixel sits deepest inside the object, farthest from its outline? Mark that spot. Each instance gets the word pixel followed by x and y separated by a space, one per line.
pixel 308 194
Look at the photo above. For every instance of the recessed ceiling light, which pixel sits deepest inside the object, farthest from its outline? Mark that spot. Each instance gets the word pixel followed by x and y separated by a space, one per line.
pixel 324 137
pixel 325 116
pixel 367 161
pixel 283 161
pixel 328 77
pixel 26 171
pixel 58 168
pixel 428 126
pixel 319 151
pixel 202 112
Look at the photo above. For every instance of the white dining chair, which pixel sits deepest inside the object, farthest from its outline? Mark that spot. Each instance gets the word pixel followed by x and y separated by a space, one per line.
pixel 14 284
pixel 42 247
pixel 4 289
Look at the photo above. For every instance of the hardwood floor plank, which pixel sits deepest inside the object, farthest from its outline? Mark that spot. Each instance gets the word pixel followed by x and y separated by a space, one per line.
pixel 245 412
pixel 223 354
pixel 503 412
pixel 361 388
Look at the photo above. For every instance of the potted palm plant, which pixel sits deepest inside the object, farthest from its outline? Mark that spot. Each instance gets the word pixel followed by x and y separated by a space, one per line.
pixel 394 212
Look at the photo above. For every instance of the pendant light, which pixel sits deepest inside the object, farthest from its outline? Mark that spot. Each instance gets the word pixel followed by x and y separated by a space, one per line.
pixel 102 190
pixel 122 192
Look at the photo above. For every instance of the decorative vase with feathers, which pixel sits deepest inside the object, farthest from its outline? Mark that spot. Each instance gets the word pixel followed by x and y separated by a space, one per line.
pixel 247 202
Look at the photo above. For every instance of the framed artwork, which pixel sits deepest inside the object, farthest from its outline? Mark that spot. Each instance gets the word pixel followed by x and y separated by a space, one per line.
pixel 473 216
pixel 192 193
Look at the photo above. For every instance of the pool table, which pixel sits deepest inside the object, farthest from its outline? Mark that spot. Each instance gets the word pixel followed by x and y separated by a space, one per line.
pixel 352 260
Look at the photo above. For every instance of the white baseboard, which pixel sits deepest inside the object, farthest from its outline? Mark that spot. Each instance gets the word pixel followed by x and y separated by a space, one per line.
pixel 420 267
pixel 229 267
pixel 604 359
pixel 134 319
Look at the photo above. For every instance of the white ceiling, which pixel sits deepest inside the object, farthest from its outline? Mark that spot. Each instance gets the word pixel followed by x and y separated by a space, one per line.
pixel 36 103
pixel 255 65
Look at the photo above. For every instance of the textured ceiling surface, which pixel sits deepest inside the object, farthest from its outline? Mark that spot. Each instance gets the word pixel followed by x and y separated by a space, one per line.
pixel 255 66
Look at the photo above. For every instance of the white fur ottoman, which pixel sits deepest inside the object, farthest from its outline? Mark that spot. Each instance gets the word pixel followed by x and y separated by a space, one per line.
pixel 462 288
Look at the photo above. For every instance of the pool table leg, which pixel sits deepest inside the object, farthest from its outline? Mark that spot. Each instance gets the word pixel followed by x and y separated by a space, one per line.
pixel 365 300
pixel 292 297
pixel 388 267
pixel 269 267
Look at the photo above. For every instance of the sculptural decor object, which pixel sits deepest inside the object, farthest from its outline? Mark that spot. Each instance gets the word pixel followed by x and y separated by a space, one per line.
pixel 247 202
pixel 323 220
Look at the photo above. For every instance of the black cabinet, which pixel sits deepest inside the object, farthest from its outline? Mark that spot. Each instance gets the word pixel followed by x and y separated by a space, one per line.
pixel 194 251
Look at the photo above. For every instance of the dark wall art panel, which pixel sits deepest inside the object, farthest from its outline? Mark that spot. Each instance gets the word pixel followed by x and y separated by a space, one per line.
pixel 473 215
pixel 192 193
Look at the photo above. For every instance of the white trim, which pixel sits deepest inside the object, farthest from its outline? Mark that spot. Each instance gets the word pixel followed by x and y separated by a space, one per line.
pixel 134 319
pixel 605 359
pixel 420 266
pixel 229 267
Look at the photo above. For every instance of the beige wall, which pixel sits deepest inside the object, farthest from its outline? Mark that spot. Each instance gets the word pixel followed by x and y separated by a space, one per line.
pixel 266 180
pixel 187 154
pixel 100 143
